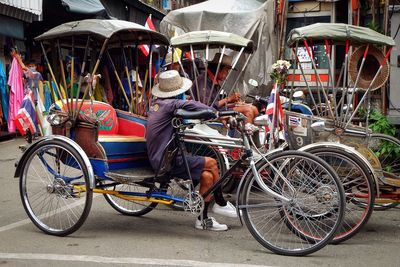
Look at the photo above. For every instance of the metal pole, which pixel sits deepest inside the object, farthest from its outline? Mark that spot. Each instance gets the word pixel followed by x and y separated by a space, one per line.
pixel 356 83
pixel 205 76
pixel 128 76
pixel 118 79
pixel 229 74
pixel 319 80
pixel 195 75
pixel 52 75
pixel 63 73
pixel 216 74
pixel 72 69
pixel 307 85
pixel 81 77
pixel 369 87
pixel 93 73
pixel 344 89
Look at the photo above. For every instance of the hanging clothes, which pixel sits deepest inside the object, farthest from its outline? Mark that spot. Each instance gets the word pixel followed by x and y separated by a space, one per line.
pixel 16 93
pixel 47 96
pixel 3 91
pixel 33 77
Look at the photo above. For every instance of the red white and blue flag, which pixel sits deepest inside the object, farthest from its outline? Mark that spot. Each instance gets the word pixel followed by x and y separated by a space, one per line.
pixel 275 118
pixel 278 116
pixel 26 116
pixel 149 25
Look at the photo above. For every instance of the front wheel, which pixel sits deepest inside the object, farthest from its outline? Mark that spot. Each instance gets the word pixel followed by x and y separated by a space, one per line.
pixel 314 213
pixel 54 188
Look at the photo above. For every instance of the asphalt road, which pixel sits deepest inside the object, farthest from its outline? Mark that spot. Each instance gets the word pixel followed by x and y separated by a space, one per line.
pixel 167 238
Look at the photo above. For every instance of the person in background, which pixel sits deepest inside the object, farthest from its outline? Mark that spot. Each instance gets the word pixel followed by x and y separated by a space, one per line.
pixel 205 85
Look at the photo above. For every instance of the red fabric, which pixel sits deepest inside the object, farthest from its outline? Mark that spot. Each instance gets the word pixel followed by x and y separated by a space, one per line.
pixel 354 4
pixel 130 128
pixel 16 93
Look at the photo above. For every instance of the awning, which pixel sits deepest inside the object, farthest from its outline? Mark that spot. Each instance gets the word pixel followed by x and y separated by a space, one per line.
pixel 92 7
pixel 24 10
pixel 11 27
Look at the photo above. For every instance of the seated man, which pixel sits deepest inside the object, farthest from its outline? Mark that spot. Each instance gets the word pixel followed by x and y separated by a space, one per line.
pixel 170 94
pixel 204 88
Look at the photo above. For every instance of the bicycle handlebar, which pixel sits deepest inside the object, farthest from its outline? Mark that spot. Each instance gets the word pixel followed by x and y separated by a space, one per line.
pixel 226 113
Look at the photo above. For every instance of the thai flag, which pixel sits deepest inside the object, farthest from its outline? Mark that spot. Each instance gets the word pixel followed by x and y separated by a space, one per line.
pixel 149 25
pixel 26 116
pixel 277 117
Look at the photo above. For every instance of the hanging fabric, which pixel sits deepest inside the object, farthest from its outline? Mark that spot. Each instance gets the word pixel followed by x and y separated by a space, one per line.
pixel 16 93
pixel 47 96
pixel 3 91
pixel 26 118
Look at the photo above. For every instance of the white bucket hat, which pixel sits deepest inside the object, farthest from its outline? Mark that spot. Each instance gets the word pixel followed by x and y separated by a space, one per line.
pixel 170 84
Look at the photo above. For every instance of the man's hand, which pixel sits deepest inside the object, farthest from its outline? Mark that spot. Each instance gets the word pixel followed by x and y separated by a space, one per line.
pixel 233 98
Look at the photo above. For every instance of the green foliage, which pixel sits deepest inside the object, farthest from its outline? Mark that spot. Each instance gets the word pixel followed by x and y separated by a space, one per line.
pixel 387 151
pixel 380 123
pixel 374 26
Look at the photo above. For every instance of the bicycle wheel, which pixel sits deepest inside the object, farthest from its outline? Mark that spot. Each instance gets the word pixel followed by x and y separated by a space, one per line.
pixel 359 187
pixel 387 149
pixel 129 207
pixel 54 188
pixel 309 220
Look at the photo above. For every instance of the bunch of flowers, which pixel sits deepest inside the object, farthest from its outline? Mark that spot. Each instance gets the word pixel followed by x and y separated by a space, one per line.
pixel 280 71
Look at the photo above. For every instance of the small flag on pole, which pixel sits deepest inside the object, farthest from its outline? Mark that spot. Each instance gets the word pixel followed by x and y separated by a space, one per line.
pixel 149 25
pixel 275 114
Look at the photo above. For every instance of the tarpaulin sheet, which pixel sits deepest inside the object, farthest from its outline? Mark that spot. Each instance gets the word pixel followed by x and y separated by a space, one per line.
pixel 251 19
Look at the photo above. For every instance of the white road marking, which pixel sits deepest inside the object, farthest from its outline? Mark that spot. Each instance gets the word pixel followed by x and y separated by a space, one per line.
pixel 43 216
pixel 138 261
pixel 14 225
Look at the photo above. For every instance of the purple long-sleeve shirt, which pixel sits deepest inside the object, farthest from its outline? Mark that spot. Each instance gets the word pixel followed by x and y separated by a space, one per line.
pixel 159 128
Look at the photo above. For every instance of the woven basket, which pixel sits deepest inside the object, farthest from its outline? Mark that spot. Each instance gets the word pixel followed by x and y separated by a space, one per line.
pixel 371 66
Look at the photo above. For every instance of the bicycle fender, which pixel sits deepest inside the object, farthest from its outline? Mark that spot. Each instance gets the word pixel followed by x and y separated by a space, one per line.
pixel 67 140
pixel 350 150
pixel 21 162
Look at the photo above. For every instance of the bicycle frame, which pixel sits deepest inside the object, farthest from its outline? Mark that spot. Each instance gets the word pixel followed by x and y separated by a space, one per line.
pixel 248 155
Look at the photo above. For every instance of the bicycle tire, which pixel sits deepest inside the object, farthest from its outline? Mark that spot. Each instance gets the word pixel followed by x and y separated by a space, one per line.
pixel 280 236
pixel 129 207
pixel 50 195
pixel 358 184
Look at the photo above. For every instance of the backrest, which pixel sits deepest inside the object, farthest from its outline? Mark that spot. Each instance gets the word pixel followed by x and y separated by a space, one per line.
pixel 106 115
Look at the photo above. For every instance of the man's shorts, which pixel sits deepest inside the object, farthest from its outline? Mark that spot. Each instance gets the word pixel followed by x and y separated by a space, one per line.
pixel 196 167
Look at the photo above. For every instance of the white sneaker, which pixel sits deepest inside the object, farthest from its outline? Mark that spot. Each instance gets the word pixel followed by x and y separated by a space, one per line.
pixel 229 210
pixel 210 224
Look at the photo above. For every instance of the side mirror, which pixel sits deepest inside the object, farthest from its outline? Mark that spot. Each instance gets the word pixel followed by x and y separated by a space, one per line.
pixel 253 82
pixel 318 126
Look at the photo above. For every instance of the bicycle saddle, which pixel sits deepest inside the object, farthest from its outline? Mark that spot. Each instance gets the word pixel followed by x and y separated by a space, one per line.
pixel 205 114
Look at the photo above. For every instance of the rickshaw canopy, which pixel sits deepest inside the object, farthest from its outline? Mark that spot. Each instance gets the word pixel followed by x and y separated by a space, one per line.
pixel 116 31
pixel 338 33
pixel 214 39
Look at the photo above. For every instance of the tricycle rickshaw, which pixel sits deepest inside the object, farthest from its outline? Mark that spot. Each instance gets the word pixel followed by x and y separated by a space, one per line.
pixel 292 202
pixel 334 99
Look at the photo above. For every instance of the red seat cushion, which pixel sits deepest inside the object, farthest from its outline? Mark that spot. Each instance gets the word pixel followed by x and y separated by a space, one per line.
pixel 106 114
